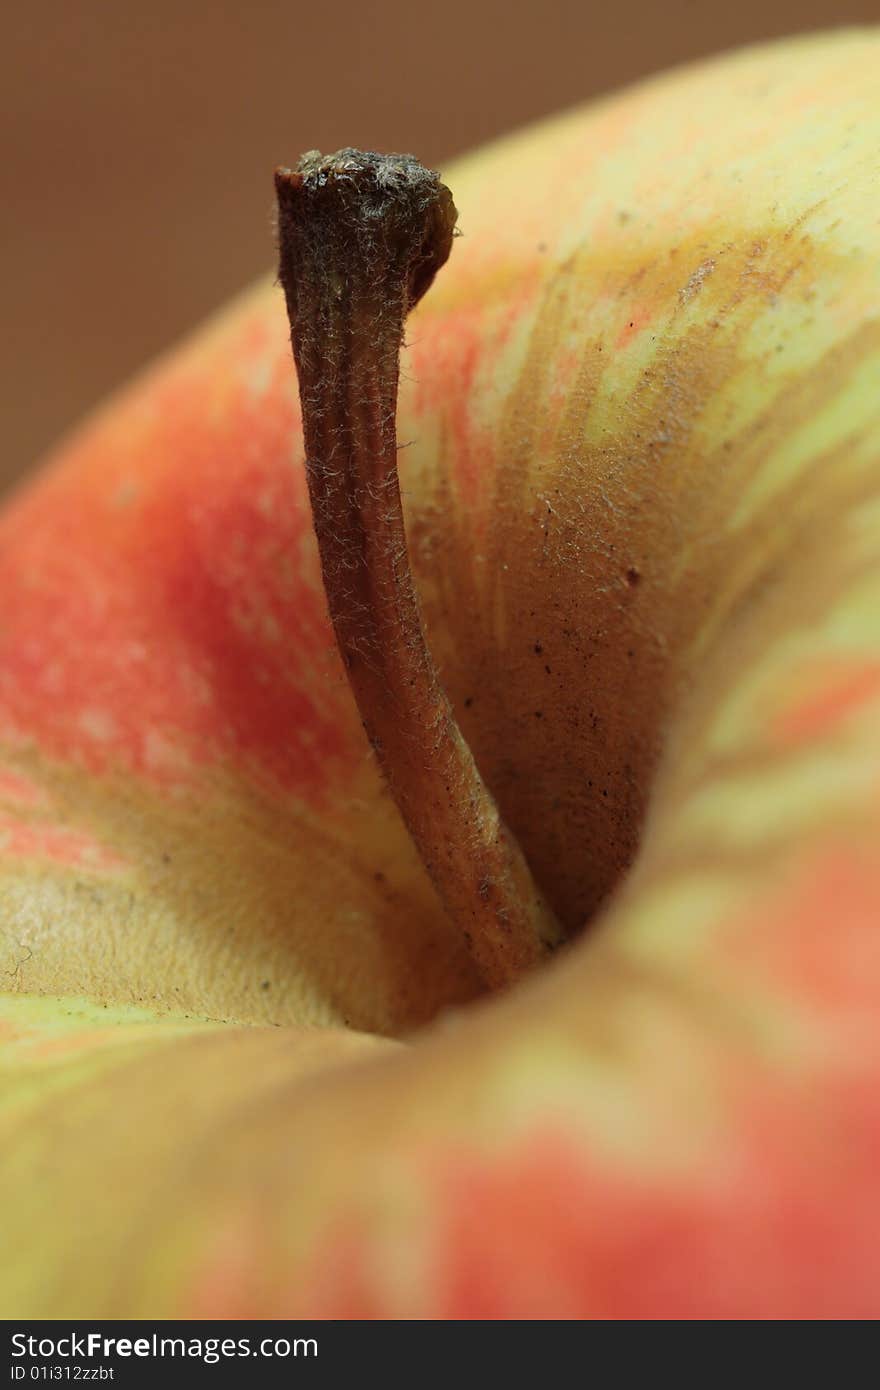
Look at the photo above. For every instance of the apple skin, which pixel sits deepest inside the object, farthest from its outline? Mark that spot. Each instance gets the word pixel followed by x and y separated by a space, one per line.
pixel 643 502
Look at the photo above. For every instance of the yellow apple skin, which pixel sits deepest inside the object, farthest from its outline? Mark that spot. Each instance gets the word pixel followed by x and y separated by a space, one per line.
pixel 643 501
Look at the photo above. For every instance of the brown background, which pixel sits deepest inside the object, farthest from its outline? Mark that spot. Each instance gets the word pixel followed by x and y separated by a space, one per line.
pixel 140 140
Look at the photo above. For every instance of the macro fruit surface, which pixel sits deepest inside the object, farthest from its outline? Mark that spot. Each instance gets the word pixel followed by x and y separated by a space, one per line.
pixel 643 508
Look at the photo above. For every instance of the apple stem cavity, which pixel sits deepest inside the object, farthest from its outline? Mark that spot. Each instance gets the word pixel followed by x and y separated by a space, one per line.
pixel 361 237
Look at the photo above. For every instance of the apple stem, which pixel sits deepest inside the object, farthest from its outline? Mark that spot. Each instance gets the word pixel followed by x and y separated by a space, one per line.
pixel 361 238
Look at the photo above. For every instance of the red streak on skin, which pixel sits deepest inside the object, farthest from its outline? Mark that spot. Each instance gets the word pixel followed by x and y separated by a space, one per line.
pixel 835 890
pixel 343 1277
pixel 766 1206
pixel 228 1284
pixel 71 848
pixel 780 1218
pixel 16 790
pixel 231 1282
pixel 637 321
pixel 457 352
pixel 754 1232
pixel 773 1213
pixel 163 603
pixel 840 693
pixel 567 367
pixel 443 366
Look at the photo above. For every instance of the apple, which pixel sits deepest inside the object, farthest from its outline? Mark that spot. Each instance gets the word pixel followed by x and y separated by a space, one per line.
pixel 250 1068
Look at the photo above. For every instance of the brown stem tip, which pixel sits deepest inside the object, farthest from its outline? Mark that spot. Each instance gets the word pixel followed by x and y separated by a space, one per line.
pixel 361 238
